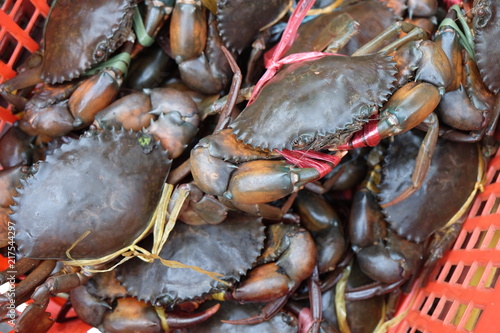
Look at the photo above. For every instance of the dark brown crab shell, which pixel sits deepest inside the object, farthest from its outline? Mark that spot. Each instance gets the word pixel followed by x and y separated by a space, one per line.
pixel 75 30
pixel 229 248
pixel 316 104
pixel 449 182
pixel 487 41
pixel 239 21
pixel 105 182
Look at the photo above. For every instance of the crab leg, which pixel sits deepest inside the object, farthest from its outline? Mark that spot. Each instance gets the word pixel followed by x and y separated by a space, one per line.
pixel 180 319
pixel 268 311
pixel 34 319
pixel 372 290
pixel 315 300
pixel 21 267
pixel 28 78
pixel 40 273
pixel 423 161
pixel 414 33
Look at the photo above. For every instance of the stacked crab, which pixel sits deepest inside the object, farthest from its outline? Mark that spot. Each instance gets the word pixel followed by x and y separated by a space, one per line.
pixel 141 182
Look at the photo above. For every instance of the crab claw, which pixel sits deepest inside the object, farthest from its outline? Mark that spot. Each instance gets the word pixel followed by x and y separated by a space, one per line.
pixel 34 320
pixel 267 313
pixel 181 319
pixel 253 178
pixel 407 108
pixel 132 315
pixel 295 253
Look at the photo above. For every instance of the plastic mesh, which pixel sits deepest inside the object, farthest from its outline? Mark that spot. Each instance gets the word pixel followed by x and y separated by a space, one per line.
pixel 464 292
pixel 21 27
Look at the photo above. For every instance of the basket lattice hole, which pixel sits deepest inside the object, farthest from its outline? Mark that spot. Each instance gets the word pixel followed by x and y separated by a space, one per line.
pixel 467 237
pixel 24 14
pixel 476 278
pixel 7 47
pixel 496 204
pixel 423 303
pixel 36 31
pixel 481 208
pixel 450 273
pixel 480 239
pixel 463 274
pixel 413 330
pixel 21 57
pixel 496 177
pixel 437 272
pixel 492 278
pixel 444 311
pixel 435 302
pixel 8 6
pixel 458 314
pixel 494 239
pixel 473 318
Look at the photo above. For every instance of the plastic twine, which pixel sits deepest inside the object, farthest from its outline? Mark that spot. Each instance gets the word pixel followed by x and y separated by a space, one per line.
pixel 161 230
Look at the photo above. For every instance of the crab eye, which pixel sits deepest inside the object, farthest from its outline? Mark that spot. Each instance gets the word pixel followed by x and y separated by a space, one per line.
pixel 100 51
pixel 303 141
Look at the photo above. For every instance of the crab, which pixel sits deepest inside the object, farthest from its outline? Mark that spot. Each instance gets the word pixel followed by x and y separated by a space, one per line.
pixel 75 71
pixel 336 103
pixel 197 36
pixel 103 302
pixel 69 206
pixel 230 249
pixel 394 241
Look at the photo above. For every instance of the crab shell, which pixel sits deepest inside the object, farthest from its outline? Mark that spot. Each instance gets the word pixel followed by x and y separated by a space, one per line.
pixel 249 17
pixel 449 182
pixel 80 34
pixel 229 248
pixel 486 41
pixel 316 104
pixel 106 182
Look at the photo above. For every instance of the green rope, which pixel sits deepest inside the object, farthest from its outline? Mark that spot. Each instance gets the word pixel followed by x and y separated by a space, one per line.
pixel 168 3
pixel 140 31
pixel 466 39
pixel 120 61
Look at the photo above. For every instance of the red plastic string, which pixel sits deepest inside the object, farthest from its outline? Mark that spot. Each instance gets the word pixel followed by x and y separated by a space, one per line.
pixel 450 3
pixel 305 320
pixel 367 137
pixel 274 61
pixel 311 159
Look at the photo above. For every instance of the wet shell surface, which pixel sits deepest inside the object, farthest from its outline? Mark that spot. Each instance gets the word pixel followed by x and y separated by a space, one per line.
pixel 317 103
pixel 229 248
pixel 106 182
pixel 487 42
pixel 79 34
pixel 249 17
pixel 448 184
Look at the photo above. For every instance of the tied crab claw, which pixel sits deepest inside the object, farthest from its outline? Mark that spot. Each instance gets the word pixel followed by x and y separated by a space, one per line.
pixel 378 92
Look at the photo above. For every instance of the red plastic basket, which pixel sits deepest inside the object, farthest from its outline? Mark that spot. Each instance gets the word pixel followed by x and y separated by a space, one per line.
pixel 463 294
pixel 21 26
